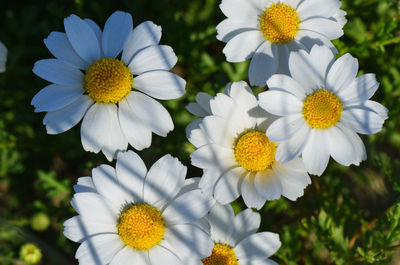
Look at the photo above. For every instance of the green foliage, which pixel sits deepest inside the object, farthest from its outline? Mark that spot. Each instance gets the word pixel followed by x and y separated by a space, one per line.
pixel 350 215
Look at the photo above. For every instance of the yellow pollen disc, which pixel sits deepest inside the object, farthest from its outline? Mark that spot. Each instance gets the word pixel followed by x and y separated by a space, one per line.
pixel 108 80
pixel 254 151
pixel 141 226
pixel 221 255
pixel 279 23
pixel 322 109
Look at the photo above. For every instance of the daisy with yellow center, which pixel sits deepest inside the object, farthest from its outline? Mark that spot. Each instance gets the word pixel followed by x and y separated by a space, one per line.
pixel 236 240
pixel 129 215
pixel 109 79
pixel 267 31
pixel 324 105
pixel 235 153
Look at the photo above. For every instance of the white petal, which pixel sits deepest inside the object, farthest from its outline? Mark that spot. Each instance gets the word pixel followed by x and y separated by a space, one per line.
pixel 230 27
pixel 94 128
pixel 362 120
pixel 258 262
pixel 64 119
pixel 96 29
pixel 195 135
pixel 291 148
pixel 310 38
pixel 239 9
pixel 340 147
pixel 312 8
pixel 137 133
pixel 220 219
pixel 131 172
pixel 54 97
pixel 3 57
pixel 323 58
pixel 294 179
pixel 287 84
pixel 196 109
pixel 116 31
pixel 342 73
pixel 250 194
pixel 55 71
pixel 376 107
pixel 203 99
pixel 258 246
pixel 242 94
pixel 84 184
pixel 59 45
pixel 145 34
pixel 282 57
pixel 99 249
pixel 268 185
pixel 245 223
pixel 159 255
pixel 155 57
pixel 329 28
pixel 227 188
pixel 94 207
pixel 212 156
pixel 78 229
pixel 263 64
pixel 164 180
pixel 359 148
pixel 280 103
pixel 82 38
pixel 160 84
pixel 129 256
pixel 151 113
pixel 208 181
pixel 316 152
pixel 218 130
pixel 243 46
pixel 188 241
pixel 284 128
pixel 360 90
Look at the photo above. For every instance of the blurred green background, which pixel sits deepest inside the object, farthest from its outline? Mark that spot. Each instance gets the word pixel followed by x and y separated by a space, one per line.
pixel 347 216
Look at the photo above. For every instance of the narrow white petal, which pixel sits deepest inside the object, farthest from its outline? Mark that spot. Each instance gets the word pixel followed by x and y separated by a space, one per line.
pixel 310 38
pixel 342 73
pixel 287 84
pixel 59 45
pixel 116 31
pixel 359 148
pixel 99 249
pixel 323 58
pixel 64 119
pixel 268 185
pixel 212 156
pixel 84 184
pixel 82 38
pixel 164 180
pixel 239 9
pixel 291 148
pixel 218 130
pixel 195 135
pixel 312 8
pixel 78 229
pixel 316 152
pixel 220 219
pixel 160 84
pixel 129 256
pixel 155 57
pixel 96 29
pixel 360 90
pixel 137 133
pixel 145 34
pixel 242 94
pixel 329 28
pixel 245 223
pixel 293 180
pixel 263 64
pixel 54 97
pixel 159 255
pixel 152 114
pixel 284 128
pixel 230 27
pixel 280 103
pixel 196 109
pixel 362 120
pixel 258 246
pixel 250 195
pixel 203 99
pixel 376 107
pixel 55 71
pixel 243 46
pixel 227 188
pixel 341 148
pixel 94 128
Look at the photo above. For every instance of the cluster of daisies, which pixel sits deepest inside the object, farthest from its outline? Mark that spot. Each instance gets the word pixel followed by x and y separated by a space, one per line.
pixel 259 147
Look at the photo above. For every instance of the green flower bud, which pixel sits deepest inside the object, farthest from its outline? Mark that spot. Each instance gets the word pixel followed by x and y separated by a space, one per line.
pixel 30 254
pixel 40 222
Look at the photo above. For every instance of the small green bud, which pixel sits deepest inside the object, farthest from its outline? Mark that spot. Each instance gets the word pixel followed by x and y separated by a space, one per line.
pixel 30 254
pixel 40 222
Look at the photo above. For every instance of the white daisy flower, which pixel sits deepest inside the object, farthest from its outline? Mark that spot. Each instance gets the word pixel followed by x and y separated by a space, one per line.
pixel 324 105
pixel 112 95
pixel 237 156
pixel 3 57
pixel 236 240
pixel 129 215
pixel 269 30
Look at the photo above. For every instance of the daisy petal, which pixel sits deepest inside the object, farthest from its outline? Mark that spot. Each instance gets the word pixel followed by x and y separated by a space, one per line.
pixel 284 128
pixel 78 229
pixel 238 8
pixel 64 119
pixel 362 120
pixel 329 28
pixel 156 57
pixel 268 185
pixel 287 84
pixel 54 97
pixel 164 180
pixel 245 223
pixel 316 153
pixel 231 27
pixel 55 71
pixel 342 73
pixel 59 45
pixel 312 8
pixel 116 32
pixel 250 194
pixel 263 64
pixel 159 255
pixel 242 46
pixel 127 256
pixel 227 188
pixel 340 147
pixel 82 38
pixel 84 184
pixel 291 148
pixel 280 103
pixel 310 38
pixel 258 246
pixel 151 113
pixel 212 156
pixel 96 29
pixel 220 219
pixel 360 90
pixel 145 34
pixel 160 84
pixel 360 152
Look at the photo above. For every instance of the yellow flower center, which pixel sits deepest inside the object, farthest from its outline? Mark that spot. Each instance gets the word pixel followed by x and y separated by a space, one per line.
pixel 108 80
pixel 141 226
pixel 221 255
pixel 254 151
pixel 322 109
pixel 279 23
